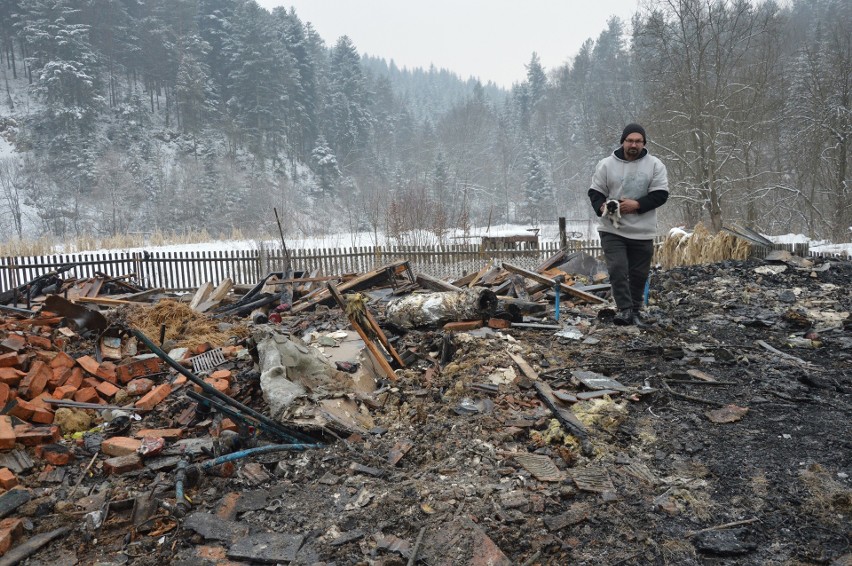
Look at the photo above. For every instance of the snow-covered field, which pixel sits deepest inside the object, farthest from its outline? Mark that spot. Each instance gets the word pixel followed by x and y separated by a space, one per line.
pixel 817 246
pixel 581 230
pixel 547 233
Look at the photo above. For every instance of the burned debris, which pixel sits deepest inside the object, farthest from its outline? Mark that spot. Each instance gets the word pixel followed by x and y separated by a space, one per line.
pixel 390 417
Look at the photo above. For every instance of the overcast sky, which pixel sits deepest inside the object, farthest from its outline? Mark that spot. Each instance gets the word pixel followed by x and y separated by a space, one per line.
pixel 489 39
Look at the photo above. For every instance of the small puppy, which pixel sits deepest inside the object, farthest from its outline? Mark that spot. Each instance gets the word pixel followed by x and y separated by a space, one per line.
pixel 613 212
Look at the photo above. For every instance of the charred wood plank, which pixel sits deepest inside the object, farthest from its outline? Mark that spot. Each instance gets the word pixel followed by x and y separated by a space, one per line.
pixel 370 279
pixel 358 325
pixel 565 417
pixel 435 284
pixel 548 281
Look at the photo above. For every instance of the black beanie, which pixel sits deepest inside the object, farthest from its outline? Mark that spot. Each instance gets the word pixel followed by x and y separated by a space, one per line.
pixel 632 129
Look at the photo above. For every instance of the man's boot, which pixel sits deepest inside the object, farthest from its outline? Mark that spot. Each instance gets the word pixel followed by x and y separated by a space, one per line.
pixel 623 317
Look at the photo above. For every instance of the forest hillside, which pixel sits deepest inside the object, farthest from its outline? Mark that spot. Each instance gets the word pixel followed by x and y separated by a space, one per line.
pixel 121 116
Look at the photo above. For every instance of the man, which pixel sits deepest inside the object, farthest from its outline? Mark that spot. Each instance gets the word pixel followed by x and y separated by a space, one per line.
pixel 639 182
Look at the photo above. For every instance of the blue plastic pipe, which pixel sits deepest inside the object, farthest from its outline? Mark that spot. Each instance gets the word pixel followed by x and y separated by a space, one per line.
pixel 208 464
pixel 556 302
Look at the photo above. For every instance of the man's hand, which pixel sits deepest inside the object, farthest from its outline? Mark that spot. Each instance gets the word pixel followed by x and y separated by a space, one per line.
pixel 629 206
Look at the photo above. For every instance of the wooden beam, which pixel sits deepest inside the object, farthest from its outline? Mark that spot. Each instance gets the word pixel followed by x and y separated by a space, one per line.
pixel 368 279
pixel 565 417
pixel 306 280
pixel 371 346
pixel 201 295
pixel 101 301
pixel 548 281
pixel 383 339
pixel 435 284
pixel 144 295
pixel 216 296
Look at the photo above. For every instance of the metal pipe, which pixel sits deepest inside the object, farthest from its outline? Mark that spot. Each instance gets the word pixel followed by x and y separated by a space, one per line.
pixel 557 281
pixel 206 387
pixel 209 464
pixel 280 432
pixel 17 309
pixel 180 478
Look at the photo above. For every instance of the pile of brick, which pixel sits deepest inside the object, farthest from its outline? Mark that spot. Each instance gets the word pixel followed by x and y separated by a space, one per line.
pixel 36 371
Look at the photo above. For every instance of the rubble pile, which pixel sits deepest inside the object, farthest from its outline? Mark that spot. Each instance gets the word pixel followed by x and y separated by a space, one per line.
pixel 507 421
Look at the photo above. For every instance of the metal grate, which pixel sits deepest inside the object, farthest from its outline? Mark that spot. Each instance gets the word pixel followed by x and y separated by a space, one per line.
pixel 205 362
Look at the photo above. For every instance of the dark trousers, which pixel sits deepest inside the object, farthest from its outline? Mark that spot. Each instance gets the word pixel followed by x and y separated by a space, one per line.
pixel 628 262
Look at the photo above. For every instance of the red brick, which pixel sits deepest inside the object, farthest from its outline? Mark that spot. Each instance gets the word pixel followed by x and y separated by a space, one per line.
pixel 89 364
pixel 122 464
pixel 36 380
pixel 219 384
pixel 87 395
pixel 90 381
pixel 487 552
pixel 14 342
pixel 167 433
pixel 107 389
pixel 12 359
pixel 151 446
pixel 201 348
pixel 42 404
pixel 214 555
pixel 107 371
pixel 44 355
pixel 463 325
pixel 60 376
pixel 8 480
pixel 4 394
pixel 139 386
pixel 64 392
pixel 120 446
pixel 29 435
pixel 156 395
pixel 75 379
pixel 7 433
pixel 39 342
pixel 42 416
pixel 11 376
pixel 42 401
pixel 228 506
pixel 225 470
pixel 22 409
pixel 10 529
pixel 499 323
pixel 139 368
pixel 62 360
pixel 222 374
pixel 54 454
pixel 228 424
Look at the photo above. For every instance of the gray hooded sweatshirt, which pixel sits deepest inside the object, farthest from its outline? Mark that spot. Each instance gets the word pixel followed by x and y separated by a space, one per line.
pixel 617 178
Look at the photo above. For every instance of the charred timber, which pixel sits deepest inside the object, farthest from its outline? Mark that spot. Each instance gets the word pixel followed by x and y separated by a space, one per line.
pixel 431 309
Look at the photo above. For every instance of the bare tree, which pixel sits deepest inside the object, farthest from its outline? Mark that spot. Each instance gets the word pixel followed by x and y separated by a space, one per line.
pixel 820 105
pixel 709 95
pixel 11 185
